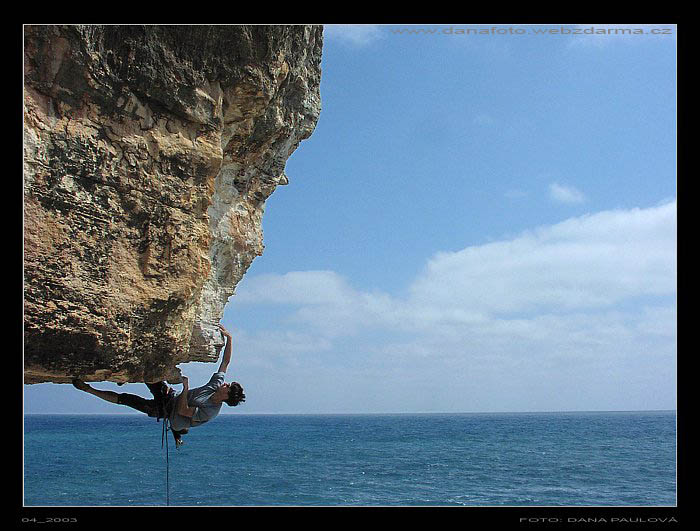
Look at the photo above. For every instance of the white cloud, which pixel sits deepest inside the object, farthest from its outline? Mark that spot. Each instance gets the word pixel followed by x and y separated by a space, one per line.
pixel 592 296
pixel 565 194
pixel 296 287
pixel 593 261
pixel 356 35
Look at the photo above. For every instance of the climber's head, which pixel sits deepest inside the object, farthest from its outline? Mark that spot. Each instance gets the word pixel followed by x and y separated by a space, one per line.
pixel 235 394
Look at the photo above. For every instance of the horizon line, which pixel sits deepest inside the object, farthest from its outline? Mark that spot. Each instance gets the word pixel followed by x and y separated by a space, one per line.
pixel 396 412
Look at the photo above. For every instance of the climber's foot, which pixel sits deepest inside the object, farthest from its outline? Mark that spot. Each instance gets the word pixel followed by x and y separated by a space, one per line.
pixel 79 384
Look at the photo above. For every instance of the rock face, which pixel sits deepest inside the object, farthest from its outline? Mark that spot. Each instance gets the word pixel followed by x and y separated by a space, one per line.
pixel 149 152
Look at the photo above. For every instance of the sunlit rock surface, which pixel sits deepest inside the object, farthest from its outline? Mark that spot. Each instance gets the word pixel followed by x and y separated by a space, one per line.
pixel 149 152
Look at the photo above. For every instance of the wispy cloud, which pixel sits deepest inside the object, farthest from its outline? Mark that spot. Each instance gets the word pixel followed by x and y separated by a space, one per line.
pixel 592 261
pixel 354 35
pixel 584 263
pixel 582 307
pixel 565 194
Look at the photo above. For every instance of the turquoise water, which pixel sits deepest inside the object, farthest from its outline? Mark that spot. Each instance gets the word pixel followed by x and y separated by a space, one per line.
pixel 521 459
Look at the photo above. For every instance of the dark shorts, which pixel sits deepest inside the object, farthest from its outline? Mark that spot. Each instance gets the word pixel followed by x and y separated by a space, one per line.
pixel 144 405
pixel 147 405
pixel 138 403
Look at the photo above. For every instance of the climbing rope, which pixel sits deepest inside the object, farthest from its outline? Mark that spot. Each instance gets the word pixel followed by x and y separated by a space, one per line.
pixel 164 438
pixel 167 427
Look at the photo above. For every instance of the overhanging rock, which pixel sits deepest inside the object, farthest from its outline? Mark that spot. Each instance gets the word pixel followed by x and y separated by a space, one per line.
pixel 149 152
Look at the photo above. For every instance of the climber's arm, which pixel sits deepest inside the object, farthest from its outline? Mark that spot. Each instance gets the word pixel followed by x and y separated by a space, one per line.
pixel 227 351
pixel 182 407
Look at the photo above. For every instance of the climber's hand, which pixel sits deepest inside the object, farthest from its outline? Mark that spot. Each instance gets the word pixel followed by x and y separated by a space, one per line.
pixel 224 331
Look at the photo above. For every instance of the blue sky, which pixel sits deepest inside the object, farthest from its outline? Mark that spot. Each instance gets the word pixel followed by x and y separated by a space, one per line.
pixel 478 223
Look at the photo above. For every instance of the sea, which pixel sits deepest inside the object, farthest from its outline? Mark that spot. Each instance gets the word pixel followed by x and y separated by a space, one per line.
pixel 471 459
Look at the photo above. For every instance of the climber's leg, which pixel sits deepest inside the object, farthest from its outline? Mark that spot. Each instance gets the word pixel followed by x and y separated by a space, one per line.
pixel 133 401
pixel 138 403
pixel 109 396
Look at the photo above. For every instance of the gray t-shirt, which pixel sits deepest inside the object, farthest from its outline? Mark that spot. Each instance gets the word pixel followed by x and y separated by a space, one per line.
pixel 199 397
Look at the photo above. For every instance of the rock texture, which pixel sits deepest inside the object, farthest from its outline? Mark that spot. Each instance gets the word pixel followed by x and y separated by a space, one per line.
pixel 149 152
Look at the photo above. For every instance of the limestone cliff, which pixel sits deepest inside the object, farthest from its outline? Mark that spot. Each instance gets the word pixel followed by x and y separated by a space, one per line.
pixel 149 152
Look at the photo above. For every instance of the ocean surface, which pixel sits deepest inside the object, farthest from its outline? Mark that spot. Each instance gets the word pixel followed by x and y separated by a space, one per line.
pixel 471 459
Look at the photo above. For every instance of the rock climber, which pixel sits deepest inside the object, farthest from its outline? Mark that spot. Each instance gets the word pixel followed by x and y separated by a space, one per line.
pixel 188 409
